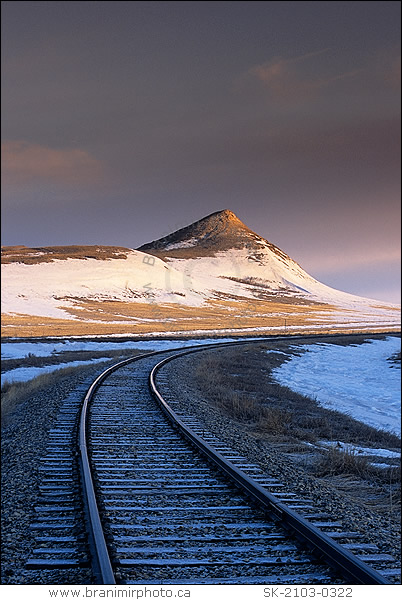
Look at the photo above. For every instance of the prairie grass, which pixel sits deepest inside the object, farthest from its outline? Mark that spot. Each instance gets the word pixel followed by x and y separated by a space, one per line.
pixel 14 394
pixel 106 317
pixel 33 256
pixel 31 360
pixel 238 383
pixel 338 462
pixel 346 463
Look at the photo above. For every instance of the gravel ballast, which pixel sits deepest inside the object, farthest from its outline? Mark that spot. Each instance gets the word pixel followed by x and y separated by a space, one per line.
pixel 25 437
pixel 344 498
pixel 24 441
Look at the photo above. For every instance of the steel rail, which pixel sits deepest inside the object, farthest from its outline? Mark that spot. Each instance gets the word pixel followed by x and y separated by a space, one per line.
pixel 102 564
pixel 101 561
pixel 351 567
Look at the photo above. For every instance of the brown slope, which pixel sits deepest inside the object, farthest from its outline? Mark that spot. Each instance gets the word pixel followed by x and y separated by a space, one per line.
pixel 32 256
pixel 217 232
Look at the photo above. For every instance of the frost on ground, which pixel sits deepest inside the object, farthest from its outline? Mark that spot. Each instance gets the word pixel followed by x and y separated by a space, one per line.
pixel 358 380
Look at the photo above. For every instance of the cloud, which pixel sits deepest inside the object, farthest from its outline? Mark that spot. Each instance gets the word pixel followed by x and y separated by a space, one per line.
pixel 342 262
pixel 24 162
pixel 287 79
pixel 388 68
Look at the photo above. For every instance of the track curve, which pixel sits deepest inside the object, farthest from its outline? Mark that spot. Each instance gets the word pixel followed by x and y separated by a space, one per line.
pixel 344 562
pixel 166 503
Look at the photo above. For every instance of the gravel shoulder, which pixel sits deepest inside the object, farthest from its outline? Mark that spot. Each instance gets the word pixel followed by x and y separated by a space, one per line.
pixel 24 440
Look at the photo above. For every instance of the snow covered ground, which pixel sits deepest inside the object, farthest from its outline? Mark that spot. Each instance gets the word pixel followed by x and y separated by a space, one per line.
pixel 44 289
pixel 50 289
pixel 358 380
pixel 361 450
pixel 27 373
pixel 19 350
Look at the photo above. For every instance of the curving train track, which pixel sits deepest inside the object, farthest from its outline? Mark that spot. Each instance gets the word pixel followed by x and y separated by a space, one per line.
pixel 147 496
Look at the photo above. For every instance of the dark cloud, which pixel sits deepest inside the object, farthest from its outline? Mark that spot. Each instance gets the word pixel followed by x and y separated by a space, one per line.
pixel 286 79
pixel 25 164
pixel 130 119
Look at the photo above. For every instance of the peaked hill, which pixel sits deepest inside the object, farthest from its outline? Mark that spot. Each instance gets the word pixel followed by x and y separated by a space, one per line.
pixel 213 276
pixel 222 247
pixel 217 232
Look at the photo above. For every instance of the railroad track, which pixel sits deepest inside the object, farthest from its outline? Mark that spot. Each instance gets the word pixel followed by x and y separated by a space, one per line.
pixel 150 497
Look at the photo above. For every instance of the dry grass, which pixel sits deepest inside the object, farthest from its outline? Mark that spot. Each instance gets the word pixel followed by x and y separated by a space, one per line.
pixel 395 359
pixel 33 256
pixel 340 462
pixel 148 318
pixel 232 376
pixel 31 360
pixel 14 394
pixel 233 385
pixel 237 398
pixel 343 465
pixel 231 381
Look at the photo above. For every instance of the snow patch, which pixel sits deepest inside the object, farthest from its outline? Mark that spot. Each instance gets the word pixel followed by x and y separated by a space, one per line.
pixel 28 373
pixel 360 450
pixel 16 350
pixel 45 289
pixel 358 380
pixel 185 244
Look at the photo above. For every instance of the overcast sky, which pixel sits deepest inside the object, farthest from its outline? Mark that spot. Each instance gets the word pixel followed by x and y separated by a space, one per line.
pixel 123 121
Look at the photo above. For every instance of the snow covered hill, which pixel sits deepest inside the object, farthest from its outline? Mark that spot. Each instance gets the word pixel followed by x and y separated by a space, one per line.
pixel 48 288
pixel 220 248
pixel 215 263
